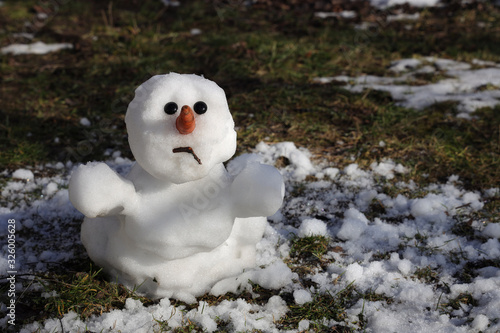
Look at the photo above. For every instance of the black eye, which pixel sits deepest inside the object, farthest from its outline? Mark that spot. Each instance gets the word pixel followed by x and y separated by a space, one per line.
pixel 170 108
pixel 200 107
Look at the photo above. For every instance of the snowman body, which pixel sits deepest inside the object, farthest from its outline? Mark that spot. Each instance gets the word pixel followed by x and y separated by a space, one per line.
pixel 178 222
pixel 186 211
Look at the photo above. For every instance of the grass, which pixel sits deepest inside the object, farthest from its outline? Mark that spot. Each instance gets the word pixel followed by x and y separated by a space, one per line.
pixel 328 306
pixel 267 75
pixel 464 301
pixel 86 292
pixel 323 306
pixel 310 246
pixel 426 274
pixel 265 58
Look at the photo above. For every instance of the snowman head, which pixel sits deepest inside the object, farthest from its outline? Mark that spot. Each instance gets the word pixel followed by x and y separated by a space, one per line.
pixel 180 127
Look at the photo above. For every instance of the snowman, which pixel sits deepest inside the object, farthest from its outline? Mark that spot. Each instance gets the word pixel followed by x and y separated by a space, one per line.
pixel 178 222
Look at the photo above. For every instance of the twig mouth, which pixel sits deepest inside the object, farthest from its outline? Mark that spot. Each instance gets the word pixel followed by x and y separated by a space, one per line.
pixel 187 150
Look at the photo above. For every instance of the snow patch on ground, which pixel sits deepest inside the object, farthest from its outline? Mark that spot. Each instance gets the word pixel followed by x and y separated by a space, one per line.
pixel 416 3
pixel 346 14
pixel 471 87
pixel 377 253
pixel 85 122
pixel 34 48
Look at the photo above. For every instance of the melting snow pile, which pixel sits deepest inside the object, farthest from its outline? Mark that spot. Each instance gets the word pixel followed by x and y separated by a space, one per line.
pixel 473 86
pixel 378 251
pixel 416 3
pixel 34 48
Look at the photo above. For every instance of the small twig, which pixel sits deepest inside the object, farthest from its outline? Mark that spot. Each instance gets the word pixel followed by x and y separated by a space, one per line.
pixel 187 150
pixel 463 206
pixel 439 300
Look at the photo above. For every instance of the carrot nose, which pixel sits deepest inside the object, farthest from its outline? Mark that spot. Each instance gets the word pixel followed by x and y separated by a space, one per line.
pixel 185 121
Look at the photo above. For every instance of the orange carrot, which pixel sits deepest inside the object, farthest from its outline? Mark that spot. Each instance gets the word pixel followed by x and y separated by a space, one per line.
pixel 185 122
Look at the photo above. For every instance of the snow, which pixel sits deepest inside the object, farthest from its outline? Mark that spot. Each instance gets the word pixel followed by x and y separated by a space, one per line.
pixel 50 189
pixel 492 230
pixel 303 325
pixel 195 31
pixel 301 165
pixel 376 252
pixel 463 84
pixel 480 323
pixel 302 296
pixel 387 168
pixel 349 14
pixel 85 122
pixel 346 14
pixel 25 35
pixel 137 318
pixel 23 174
pixel 379 254
pixel 403 17
pixel 34 48
pixel 170 3
pixel 416 3
pixel 312 227
pixel 353 225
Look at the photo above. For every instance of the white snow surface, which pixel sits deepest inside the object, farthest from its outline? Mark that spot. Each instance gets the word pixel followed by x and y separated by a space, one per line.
pixel 34 48
pixel 382 4
pixel 23 174
pixel 312 227
pixel 416 3
pixel 472 86
pixel 85 122
pixel 346 14
pixel 378 253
